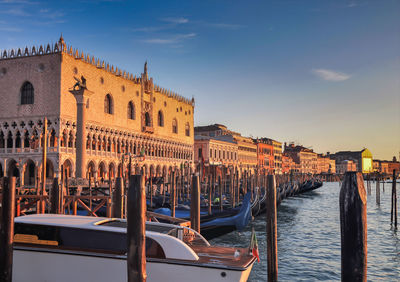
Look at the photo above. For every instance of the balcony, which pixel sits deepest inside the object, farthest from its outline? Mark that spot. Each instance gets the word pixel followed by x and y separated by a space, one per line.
pixel 148 129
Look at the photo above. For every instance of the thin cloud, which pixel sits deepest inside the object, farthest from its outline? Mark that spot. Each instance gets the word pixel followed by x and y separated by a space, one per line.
pixel 10 29
pixel 17 2
pixel 224 26
pixel 15 12
pixel 179 20
pixel 330 75
pixel 173 40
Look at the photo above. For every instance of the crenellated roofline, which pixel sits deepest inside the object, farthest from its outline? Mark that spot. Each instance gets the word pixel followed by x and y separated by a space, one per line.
pixel 61 47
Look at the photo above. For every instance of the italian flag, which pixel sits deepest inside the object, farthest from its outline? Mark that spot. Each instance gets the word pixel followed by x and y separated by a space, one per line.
pixel 254 245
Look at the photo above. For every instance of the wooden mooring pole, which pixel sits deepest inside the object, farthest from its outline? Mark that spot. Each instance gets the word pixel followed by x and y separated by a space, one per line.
pixel 136 229
pixel 393 211
pixel 172 194
pixel 55 200
pixel 353 227
pixel 272 251
pixel 378 192
pixel 195 204
pixel 7 229
pixel 118 199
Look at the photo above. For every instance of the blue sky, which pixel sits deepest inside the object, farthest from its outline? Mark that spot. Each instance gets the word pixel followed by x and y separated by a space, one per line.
pixel 321 73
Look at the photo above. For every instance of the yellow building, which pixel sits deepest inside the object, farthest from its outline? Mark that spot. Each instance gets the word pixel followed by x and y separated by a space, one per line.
pixel 124 115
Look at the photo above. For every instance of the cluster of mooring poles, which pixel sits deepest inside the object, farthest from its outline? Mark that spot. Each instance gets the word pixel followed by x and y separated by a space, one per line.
pixel 353 221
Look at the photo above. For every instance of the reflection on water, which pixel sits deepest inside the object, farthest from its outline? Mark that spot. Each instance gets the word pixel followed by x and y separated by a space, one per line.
pixel 309 238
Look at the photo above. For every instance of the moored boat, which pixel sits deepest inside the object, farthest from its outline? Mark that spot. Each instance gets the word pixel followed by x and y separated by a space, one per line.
pixel 79 248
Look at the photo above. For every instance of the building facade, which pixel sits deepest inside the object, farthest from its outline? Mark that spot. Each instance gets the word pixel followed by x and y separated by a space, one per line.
pixel 288 165
pixel 362 159
pixel 345 165
pixel 265 155
pixel 124 115
pixel 325 165
pixel 305 158
pixel 247 149
pixel 215 152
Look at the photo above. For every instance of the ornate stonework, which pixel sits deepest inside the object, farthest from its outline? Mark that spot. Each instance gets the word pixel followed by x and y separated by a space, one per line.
pixel 139 118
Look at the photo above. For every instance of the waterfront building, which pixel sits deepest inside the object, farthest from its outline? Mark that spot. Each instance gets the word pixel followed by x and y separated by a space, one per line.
pixel 386 167
pixel 362 159
pixel 215 152
pixel 121 114
pixel 247 150
pixel 346 165
pixel 265 155
pixel 288 164
pixel 277 153
pixel 305 158
pixel 332 166
pixel 325 164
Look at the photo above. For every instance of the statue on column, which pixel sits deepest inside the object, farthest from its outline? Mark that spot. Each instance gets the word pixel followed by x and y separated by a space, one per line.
pixel 80 83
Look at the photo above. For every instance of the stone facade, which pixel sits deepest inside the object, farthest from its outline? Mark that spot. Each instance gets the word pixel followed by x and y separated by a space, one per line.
pixel 125 116
pixel 247 149
pixel 265 155
pixel 325 164
pixel 362 159
pixel 305 159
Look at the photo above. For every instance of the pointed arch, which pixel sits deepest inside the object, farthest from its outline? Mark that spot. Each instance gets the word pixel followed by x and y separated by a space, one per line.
pixel 131 111
pixel 160 118
pixel 108 105
pixel 187 129
pixel 27 93
pixel 175 126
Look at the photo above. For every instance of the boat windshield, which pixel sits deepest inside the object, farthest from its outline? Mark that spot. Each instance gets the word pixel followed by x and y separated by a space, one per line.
pixel 187 235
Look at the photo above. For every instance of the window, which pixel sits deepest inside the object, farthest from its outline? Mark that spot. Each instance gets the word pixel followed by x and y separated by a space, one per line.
pixel 27 93
pixel 187 129
pixel 160 119
pixel 108 104
pixel 147 120
pixel 200 153
pixel 174 126
pixel 131 110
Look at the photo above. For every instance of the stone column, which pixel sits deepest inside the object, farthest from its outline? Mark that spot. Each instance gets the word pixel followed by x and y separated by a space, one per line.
pixel 81 97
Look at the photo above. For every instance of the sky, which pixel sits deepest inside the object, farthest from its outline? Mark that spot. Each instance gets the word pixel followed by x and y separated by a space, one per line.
pixel 323 73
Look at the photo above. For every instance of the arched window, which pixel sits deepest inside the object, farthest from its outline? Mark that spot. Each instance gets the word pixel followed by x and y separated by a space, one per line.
pixel 174 126
pixel 131 110
pixel 187 129
pixel 147 120
pixel 27 93
pixel 108 105
pixel 160 119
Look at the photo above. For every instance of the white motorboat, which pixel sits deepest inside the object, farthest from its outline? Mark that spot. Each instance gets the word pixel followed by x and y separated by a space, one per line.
pixel 67 248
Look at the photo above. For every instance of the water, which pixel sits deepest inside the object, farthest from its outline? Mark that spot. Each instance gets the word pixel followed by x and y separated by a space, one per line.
pixel 309 238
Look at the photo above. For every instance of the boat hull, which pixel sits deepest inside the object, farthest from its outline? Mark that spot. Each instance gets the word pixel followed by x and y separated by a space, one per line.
pixel 39 265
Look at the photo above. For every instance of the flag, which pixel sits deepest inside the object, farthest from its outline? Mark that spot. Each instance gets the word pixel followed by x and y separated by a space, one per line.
pixel 254 245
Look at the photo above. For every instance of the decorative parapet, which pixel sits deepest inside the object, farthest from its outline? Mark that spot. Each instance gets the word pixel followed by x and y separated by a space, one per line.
pixel 60 46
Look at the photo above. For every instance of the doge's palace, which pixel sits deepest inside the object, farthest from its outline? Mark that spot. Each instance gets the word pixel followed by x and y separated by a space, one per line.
pixel 126 117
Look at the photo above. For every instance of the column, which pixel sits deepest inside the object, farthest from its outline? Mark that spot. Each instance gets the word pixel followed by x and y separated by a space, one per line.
pixel 81 97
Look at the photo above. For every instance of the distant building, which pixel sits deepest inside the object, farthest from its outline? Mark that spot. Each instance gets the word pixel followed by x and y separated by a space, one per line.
pixel 325 164
pixel 288 164
pixel 386 167
pixel 215 152
pixel 346 165
pixel 305 158
pixel 265 155
pixel 277 153
pixel 362 159
pixel 247 150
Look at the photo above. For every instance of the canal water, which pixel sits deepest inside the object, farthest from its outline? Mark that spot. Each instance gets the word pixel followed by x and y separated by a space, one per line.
pixel 309 238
